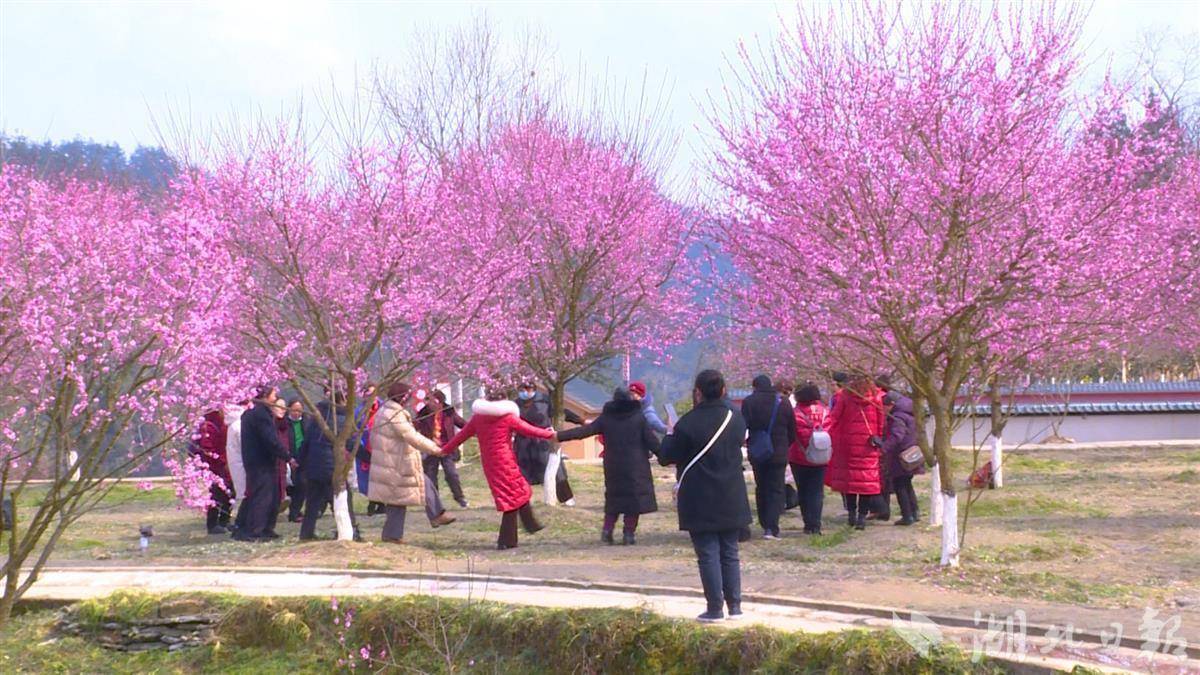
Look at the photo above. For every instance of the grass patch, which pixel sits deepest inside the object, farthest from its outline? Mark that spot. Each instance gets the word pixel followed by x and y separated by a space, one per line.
pixel 1037 464
pixel 990 506
pixel 1186 476
pixel 1019 553
pixel 258 635
pixel 1042 585
pixel 830 539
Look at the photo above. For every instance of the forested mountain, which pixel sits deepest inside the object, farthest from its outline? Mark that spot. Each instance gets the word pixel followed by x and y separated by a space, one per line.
pixel 148 167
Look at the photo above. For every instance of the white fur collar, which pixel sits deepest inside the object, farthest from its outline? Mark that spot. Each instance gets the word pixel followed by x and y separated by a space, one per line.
pixel 494 408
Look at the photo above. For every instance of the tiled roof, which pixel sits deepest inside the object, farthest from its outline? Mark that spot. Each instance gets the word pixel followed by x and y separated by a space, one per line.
pixel 1109 408
pixel 1108 387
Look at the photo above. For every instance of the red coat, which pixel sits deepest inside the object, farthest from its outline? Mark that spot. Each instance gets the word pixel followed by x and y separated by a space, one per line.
pixel 808 417
pixel 211 446
pixel 494 422
pixel 854 467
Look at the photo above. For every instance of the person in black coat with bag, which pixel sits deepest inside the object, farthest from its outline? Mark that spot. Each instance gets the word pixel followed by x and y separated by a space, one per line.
pixel 901 435
pixel 316 465
pixel 765 409
pixel 706 449
pixel 628 444
pixel 261 452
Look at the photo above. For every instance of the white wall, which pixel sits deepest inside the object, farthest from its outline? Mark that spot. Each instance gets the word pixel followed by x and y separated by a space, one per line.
pixel 1087 428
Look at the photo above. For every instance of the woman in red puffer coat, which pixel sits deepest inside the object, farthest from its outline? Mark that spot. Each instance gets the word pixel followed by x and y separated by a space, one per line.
pixel 857 426
pixel 493 422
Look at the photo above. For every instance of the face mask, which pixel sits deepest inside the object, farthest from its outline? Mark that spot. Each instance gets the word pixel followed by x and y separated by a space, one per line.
pixel 525 395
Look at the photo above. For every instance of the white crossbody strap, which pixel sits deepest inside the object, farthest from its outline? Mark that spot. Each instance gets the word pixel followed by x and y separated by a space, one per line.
pixel 711 441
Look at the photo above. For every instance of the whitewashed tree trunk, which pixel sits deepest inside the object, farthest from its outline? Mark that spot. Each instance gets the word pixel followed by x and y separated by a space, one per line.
pixel 998 461
pixel 950 531
pixel 550 478
pixel 341 514
pixel 935 497
pixel 73 457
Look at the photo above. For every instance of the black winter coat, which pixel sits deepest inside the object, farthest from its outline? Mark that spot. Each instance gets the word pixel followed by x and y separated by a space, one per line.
pixel 261 446
pixel 533 452
pixel 712 496
pixel 316 453
pixel 628 444
pixel 756 410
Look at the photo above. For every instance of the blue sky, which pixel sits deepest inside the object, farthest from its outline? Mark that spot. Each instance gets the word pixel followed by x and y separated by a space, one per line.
pixel 106 70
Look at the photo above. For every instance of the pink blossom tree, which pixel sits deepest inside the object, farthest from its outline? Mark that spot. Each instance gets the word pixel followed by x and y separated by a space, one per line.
pixel 922 189
pixel 603 267
pixel 352 270
pixel 113 322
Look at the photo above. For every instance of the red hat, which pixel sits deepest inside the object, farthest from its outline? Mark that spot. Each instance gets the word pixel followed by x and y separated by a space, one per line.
pixel 638 388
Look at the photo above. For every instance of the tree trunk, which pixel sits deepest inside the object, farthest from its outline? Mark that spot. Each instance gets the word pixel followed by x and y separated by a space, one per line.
pixel 12 567
pixel 998 423
pixel 558 414
pixel 940 406
pixel 950 542
pixel 343 462
pixel 9 600
pixel 935 497
pixel 341 513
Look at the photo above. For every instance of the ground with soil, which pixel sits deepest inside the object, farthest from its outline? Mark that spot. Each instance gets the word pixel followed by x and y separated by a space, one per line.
pixel 1080 536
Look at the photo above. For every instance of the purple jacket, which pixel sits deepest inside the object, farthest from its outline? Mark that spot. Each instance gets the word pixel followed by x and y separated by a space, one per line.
pixel 901 435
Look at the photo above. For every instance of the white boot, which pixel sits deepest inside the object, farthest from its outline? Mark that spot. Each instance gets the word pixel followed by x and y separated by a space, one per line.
pixel 550 478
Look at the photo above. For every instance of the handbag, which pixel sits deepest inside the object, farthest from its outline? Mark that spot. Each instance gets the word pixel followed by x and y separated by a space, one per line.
pixel 791 497
pixel 562 488
pixel 876 440
pixel 912 458
pixel 761 448
pixel 703 452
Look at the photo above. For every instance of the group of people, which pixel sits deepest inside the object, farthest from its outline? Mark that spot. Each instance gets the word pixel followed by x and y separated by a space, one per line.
pixel 852 445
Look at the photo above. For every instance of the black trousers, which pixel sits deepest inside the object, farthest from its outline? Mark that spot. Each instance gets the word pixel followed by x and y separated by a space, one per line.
pixel 720 569
pixel 860 505
pixel 218 513
pixel 296 510
pixel 508 525
pixel 262 504
pixel 768 494
pixel 317 493
pixel 906 496
pixel 447 464
pixel 810 485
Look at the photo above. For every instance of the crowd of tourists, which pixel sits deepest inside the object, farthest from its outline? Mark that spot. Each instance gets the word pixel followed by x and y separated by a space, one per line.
pixel 275 459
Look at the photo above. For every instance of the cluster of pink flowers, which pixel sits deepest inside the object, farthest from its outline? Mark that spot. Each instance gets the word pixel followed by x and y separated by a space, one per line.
pixel 193 481
pixel 926 193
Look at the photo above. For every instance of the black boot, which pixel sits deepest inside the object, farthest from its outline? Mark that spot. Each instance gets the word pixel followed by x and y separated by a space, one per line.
pixel 628 539
pixel 508 531
pixel 528 521
pixel 606 537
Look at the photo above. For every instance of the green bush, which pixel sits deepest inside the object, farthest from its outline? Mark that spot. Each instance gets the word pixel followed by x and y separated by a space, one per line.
pixel 436 635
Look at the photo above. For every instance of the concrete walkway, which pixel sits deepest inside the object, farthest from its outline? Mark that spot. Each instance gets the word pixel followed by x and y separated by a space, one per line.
pixel 795 614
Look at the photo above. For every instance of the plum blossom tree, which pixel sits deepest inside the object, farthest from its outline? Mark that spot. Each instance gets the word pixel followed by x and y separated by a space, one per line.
pixel 113 320
pixel 346 269
pixel 602 269
pixel 917 186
